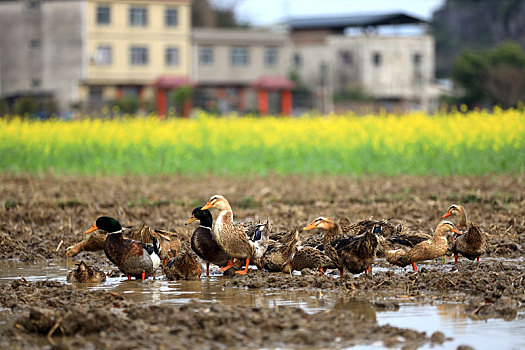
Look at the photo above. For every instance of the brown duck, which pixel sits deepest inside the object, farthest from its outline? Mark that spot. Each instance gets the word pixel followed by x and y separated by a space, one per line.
pixel 86 274
pixel 429 249
pixel 279 254
pixel 473 243
pixel 307 257
pixel 183 267
pixel 202 241
pixel 239 241
pixel 356 254
pixel 134 259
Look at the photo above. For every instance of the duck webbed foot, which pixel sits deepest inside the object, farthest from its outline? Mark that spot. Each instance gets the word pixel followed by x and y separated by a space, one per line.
pixel 245 271
pixel 230 264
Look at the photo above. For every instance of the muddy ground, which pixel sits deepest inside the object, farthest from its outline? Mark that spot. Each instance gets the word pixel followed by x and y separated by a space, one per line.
pixel 37 213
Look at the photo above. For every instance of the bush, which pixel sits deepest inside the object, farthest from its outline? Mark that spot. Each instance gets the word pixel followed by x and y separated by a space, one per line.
pixel 493 76
pixel 26 105
pixel 4 107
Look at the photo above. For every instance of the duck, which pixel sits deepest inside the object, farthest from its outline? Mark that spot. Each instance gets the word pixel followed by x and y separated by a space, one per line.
pixel 248 241
pixel 86 274
pixel 473 243
pixel 92 243
pixel 202 241
pixel 349 229
pixel 432 248
pixel 279 254
pixel 400 241
pixel 307 257
pixel 356 254
pixel 169 241
pixel 133 258
pixel 183 267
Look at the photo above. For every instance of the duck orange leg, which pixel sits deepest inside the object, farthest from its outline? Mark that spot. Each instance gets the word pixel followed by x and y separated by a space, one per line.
pixel 207 269
pixel 478 258
pixel 321 270
pixel 143 275
pixel 455 259
pixel 230 264
pixel 341 273
pixel 414 266
pixel 129 278
pixel 243 272
pixel 369 271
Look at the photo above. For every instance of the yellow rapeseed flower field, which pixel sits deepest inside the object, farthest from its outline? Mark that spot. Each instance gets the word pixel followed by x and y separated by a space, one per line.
pixel 457 143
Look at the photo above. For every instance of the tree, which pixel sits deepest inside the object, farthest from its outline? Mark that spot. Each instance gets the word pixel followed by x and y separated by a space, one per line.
pixel 204 14
pixel 492 76
pixel 26 105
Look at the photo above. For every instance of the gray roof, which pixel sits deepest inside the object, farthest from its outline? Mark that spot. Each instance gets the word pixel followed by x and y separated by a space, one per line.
pixel 340 22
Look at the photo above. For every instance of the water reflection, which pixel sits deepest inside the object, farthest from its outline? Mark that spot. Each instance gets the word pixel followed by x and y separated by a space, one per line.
pixel 360 308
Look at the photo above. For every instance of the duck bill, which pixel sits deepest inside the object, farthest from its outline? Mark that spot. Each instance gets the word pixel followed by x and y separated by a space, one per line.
pixel 446 215
pixel 455 230
pixel 93 228
pixel 207 206
pixel 310 227
pixel 192 219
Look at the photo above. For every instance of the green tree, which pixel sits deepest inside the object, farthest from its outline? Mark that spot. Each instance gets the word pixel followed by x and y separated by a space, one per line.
pixel 26 105
pixel 494 76
pixel 4 107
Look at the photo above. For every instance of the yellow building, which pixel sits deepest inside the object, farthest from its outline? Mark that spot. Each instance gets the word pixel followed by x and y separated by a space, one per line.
pixel 130 44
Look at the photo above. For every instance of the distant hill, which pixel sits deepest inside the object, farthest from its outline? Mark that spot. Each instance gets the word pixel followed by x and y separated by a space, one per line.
pixel 475 24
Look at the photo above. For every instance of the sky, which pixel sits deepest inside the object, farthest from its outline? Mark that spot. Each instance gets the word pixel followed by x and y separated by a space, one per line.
pixel 263 12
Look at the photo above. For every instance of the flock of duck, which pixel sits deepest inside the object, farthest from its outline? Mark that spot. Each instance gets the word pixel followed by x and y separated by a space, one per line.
pixel 229 244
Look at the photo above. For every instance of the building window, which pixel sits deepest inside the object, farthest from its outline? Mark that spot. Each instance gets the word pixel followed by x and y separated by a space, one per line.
pixel 103 14
pixel 377 59
pixel 138 17
pixel 34 43
pixel 171 17
pixel 103 56
pixel 35 83
pixel 297 60
pixel 346 58
pixel 206 55
pixel 271 56
pixel 131 91
pixel 95 93
pixel 139 56
pixel 240 56
pixel 33 5
pixel 417 59
pixel 172 56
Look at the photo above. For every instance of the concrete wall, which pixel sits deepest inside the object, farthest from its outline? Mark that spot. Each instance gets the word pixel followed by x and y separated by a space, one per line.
pixel 62 49
pixel 397 77
pixel 53 65
pixel 222 41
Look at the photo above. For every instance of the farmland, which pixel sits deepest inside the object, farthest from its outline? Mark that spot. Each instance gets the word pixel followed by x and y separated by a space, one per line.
pixel 470 143
pixel 57 176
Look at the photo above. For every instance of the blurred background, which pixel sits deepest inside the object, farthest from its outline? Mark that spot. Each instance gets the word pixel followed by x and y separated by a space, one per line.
pixel 289 57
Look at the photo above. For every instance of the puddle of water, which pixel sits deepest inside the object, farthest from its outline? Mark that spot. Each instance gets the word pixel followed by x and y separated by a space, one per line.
pixel 447 318
pixel 453 322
